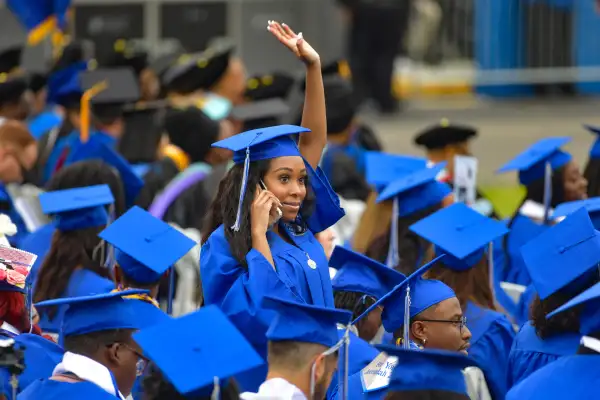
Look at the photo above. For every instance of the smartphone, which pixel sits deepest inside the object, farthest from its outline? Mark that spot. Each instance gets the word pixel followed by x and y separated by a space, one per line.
pixel 279 212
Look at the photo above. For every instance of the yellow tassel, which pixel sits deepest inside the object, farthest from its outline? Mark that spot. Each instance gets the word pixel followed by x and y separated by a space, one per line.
pixel 40 32
pixel 143 297
pixel 85 108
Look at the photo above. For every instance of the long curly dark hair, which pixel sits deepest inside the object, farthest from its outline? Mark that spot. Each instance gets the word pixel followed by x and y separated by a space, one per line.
pixel 411 247
pixel 223 208
pixel 564 322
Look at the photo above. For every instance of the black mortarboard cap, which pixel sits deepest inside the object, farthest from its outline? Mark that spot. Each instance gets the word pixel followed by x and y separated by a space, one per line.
pixel 37 61
pixel 276 85
pixel 340 103
pixel 12 81
pixel 122 88
pixel 143 130
pixel 73 53
pixel 444 134
pixel 260 114
pixel 200 70
pixel 192 131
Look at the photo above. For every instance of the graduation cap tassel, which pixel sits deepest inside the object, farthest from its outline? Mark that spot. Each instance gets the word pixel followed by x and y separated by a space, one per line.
pixel 393 257
pixel 346 362
pixel 238 217
pixel 406 327
pixel 216 392
pixel 171 293
pixel 85 108
pixel 547 192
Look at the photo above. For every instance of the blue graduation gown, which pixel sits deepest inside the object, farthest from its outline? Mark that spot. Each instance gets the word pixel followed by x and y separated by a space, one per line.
pixel 38 243
pixel 492 337
pixel 47 389
pixel 529 353
pixel 83 282
pixel 15 217
pixel 41 356
pixel 44 122
pixel 361 353
pixel 571 377
pixel 238 291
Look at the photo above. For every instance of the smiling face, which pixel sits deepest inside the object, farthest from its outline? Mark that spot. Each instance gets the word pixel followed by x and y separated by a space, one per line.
pixel 286 178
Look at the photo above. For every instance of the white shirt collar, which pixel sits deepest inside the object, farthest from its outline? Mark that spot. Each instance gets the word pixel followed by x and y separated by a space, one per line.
pixel 275 389
pixel 8 327
pixel 591 343
pixel 88 370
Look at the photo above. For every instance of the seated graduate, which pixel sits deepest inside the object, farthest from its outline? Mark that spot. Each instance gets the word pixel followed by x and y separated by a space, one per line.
pixel 79 174
pixel 75 264
pixel 445 141
pixel 591 171
pixel 428 374
pixel 146 248
pixel 247 250
pixel 413 196
pixel 344 160
pixel 421 314
pixel 18 318
pixel 567 184
pixel 18 154
pixel 126 53
pixel 303 350
pixel 562 262
pixel 44 116
pixel 575 376
pixel 145 145
pixel 101 359
pixel 358 283
pixel 64 91
pixel 14 94
pixel 462 235
pixel 174 373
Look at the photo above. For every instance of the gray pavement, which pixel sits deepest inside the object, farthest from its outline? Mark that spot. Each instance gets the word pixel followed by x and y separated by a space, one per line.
pixel 505 127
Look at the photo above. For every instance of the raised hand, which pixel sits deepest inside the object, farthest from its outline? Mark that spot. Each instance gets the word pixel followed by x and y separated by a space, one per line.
pixel 294 42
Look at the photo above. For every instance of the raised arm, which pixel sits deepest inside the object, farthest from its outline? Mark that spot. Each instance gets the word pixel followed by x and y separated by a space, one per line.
pixel 313 116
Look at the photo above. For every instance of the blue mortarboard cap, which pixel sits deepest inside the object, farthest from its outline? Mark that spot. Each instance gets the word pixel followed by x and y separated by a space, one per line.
pixel 562 254
pixel 361 274
pixel 64 85
pixel 78 208
pixel 416 191
pixel 595 149
pixel 303 322
pixel 263 144
pixel 383 168
pixel 95 149
pixel 424 293
pixel 428 370
pixel 101 312
pixel 589 319
pixel 591 205
pixel 146 246
pixel 460 233
pixel 531 163
pixel 221 349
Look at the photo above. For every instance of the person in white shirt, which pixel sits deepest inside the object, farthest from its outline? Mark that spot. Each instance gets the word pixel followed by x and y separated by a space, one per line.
pixel 302 351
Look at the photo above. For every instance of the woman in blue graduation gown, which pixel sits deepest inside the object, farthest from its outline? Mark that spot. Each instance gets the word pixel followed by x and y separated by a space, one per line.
pixel 81 174
pixel 575 376
pixel 573 243
pixel 75 263
pixel 566 184
pixel 246 253
pixel 462 235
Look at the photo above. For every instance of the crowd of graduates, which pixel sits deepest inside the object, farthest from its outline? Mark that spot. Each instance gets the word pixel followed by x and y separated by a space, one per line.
pixel 322 266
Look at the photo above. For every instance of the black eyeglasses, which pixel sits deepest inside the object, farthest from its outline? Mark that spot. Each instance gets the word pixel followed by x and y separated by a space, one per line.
pixel 462 322
pixel 142 362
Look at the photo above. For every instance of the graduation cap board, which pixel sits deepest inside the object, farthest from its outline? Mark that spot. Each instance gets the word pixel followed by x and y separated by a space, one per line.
pixel 121 85
pixel 444 134
pixel 222 350
pixel 384 168
pixel 573 242
pixel 146 246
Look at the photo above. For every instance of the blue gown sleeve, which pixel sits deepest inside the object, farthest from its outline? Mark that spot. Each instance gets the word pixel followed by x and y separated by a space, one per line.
pixel 491 352
pixel 239 291
pixel 521 364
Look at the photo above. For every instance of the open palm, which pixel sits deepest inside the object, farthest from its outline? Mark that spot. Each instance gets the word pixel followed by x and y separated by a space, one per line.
pixel 294 42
